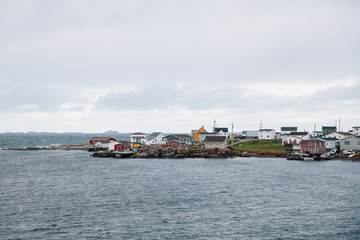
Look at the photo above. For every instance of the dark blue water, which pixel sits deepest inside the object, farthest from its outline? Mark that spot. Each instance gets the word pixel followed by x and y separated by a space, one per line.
pixel 23 140
pixel 69 195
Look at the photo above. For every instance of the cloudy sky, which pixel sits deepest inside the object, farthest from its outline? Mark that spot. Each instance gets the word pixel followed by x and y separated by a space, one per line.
pixel 173 66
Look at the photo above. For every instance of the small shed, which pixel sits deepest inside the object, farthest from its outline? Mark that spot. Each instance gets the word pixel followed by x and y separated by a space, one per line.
pixel 312 146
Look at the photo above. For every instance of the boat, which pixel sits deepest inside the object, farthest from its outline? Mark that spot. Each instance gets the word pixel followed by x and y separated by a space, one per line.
pixel 300 157
pixel 124 154
pixel 306 157
pixel 294 156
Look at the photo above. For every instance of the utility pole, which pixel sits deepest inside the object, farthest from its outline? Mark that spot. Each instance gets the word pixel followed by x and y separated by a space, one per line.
pixel 214 125
pixel 339 125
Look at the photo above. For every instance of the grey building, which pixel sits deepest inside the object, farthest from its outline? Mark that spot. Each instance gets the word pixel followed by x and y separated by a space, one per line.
pixel 215 142
pixel 350 143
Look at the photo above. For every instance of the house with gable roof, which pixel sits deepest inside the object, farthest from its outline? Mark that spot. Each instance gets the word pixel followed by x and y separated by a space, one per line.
pixel 195 133
pixel 350 143
pixel 221 131
pixel 266 134
pixel 138 137
pixel 179 137
pixel 294 138
pixel 312 146
pixel 101 142
pixel 215 142
pixel 155 138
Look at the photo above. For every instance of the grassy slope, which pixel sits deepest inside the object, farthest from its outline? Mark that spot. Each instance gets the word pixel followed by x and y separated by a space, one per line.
pixel 265 145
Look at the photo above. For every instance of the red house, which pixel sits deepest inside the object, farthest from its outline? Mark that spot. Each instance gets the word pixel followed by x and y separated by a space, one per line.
pixel 94 140
pixel 121 146
pixel 312 146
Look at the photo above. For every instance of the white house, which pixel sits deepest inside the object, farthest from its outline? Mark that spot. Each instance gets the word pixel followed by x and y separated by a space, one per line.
pixel 155 138
pixel 350 143
pixel 267 134
pixel 295 138
pixel 356 131
pixel 331 143
pixel 338 135
pixel 138 137
pixel 221 132
pixel 290 140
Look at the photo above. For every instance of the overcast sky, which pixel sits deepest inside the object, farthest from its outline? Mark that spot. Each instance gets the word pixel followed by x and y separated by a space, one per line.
pixel 173 66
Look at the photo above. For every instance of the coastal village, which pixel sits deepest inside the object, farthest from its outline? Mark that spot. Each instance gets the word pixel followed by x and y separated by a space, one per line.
pixel 325 143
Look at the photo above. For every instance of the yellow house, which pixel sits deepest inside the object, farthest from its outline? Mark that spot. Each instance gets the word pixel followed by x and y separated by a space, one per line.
pixel 195 133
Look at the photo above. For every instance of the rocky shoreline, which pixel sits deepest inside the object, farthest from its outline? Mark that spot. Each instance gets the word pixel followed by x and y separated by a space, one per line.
pixel 172 153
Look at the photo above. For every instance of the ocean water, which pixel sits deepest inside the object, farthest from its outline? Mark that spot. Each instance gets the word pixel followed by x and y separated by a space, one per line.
pixel 24 140
pixel 70 195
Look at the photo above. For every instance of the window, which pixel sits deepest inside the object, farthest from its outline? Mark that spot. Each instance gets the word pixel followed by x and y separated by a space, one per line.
pixel 310 143
pixel 358 143
pixel 347 142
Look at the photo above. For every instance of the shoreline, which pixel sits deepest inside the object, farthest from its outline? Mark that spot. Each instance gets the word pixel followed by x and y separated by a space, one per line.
pixel 166 153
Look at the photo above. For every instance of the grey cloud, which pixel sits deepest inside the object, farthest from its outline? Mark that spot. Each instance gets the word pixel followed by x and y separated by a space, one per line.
pixel 27 96
pixel 62 48
pixel 165 96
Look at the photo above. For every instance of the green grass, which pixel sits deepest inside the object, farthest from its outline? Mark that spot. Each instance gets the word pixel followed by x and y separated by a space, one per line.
pixel 262 145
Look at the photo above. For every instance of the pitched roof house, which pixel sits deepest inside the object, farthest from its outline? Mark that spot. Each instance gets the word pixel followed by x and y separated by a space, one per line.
pixel 120 145
pixel 215 142
pixel 350 143
pixel 179 137
pixel 94 140
pixel 312 146
pixel 267 134
pixel 155 138
pixel 195 133
pixel 138 137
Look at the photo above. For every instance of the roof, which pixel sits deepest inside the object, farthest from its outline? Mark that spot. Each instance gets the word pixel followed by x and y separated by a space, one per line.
pixel 352 136
pixel 181 135
pixel 221 129
pixel 291 129
pixel 177 141
pixel 345 133
pixel 215 138
pixel 266 130
pixel 123 143
pixel 332 127
pixel 138 133
pixel 154 135
pixel 313 140
pixel 330 139
pixel 342 133
pixel 207 133
pixel 101 138
pixel 299 133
